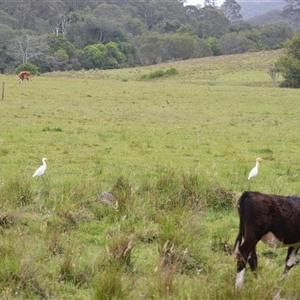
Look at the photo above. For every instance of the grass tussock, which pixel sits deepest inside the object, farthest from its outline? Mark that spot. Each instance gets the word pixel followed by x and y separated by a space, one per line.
pixel 20 191
pixel 109 285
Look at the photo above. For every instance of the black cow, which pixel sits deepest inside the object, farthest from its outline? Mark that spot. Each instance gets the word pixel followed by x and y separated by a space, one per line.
pixel 273 219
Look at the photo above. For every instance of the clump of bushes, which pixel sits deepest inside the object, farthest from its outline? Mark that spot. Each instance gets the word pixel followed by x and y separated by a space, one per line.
pixel 27 67
pixel 160 73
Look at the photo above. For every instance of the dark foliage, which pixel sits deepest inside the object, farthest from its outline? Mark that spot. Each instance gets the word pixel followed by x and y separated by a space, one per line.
pixel 289 64
pixel 56 34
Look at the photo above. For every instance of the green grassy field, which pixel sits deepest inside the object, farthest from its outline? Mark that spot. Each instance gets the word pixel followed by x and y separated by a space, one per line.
pixel 175 151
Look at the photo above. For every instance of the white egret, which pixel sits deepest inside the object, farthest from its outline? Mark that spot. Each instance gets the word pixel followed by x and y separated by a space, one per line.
pixel 254 171
pixel 41 170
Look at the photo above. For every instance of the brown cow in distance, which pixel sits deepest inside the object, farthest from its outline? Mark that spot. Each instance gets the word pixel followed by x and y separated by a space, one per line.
pixel 24 75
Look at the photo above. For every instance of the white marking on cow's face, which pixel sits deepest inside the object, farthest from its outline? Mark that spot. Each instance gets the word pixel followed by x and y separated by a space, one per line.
pixel 272 241
pixel 239 279
pixel 292 258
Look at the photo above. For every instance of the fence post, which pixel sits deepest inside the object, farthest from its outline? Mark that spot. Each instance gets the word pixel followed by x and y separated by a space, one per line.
pixel 3 86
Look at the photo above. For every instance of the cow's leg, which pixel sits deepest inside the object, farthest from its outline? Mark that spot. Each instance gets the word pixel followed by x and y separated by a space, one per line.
pixel 253 261
pixel 290 258
pixel 245 250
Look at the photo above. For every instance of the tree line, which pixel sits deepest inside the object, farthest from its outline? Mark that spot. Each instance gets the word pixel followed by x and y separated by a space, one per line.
pixel 62 35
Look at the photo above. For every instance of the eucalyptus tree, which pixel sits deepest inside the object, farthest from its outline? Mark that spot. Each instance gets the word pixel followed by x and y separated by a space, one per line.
pixel 212 3
pixel 169 10
pixel 61 22
pixel 112 22
pixel 134 26
pixel 150 48
pixel 145 10
pixel 78 5
pixel 78 32
pixel 232 10
pixel 106 23
pixel 233 43
pixel 7 34
pixel 292 12
pixel 9 7
pixel 168 26
pixel 241 26
pixel 28 48
pixel 274 35
pixel 29 14
pixel 151 12
pixel 192 12
pixel 108 12
pixel 93 30
pixel 215 24
pixel 8 20
pixel 254 35
pixel 57 43
pixel 102 56
pixel 154 48
pixel 180 46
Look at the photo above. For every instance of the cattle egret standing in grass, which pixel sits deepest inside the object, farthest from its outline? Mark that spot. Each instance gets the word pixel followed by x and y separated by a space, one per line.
pixel 41 170
pixel 254 171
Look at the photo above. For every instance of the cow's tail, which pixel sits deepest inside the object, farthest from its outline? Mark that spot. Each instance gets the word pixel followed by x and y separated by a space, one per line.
pixel 239 238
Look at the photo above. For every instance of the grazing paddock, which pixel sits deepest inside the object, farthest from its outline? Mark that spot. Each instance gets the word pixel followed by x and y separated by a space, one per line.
pixel 175 152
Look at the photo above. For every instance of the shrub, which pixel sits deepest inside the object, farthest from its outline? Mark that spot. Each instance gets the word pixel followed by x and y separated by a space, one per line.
pixel 160 73
pixel 289 64
pixel 27 67
pixel 171 71
pixel 156 74
pixel 290 69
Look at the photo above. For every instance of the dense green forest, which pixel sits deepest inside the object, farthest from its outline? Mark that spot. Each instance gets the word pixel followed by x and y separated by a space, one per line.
pixel 107 34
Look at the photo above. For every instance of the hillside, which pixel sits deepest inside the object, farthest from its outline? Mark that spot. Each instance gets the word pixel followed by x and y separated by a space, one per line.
pixel 251 9
pixel 272 16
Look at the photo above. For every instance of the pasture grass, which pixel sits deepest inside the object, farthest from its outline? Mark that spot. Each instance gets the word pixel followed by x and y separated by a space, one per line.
pixel 175 151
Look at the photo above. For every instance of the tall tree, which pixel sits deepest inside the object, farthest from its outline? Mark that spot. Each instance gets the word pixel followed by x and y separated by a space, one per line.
pixel 7 35
pixel 292 11
pixel 232 10
pixel 233 43
pixel 192 12
pixel 273 35
pixel 8 20
pixel 211 3
pixel 215 24
pixel 102 56
pixel 289 64
pixel 28 48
